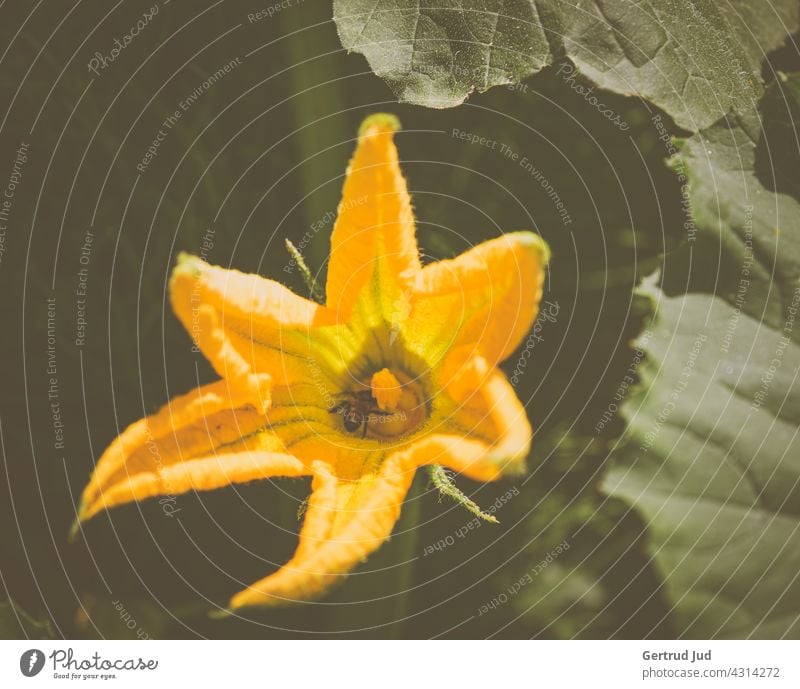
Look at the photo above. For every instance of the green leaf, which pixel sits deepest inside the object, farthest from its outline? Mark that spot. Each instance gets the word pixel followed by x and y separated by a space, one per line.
pixel 435 53
pixel 711 460
pixel 696 59
pixel 730 170
pixel 711 455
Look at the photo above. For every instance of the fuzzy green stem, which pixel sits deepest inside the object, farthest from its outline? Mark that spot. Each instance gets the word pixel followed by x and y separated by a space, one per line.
pixel 308 278
pixel 444 484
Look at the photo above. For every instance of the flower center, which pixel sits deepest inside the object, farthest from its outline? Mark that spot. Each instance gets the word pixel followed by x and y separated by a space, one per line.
pixel 387 405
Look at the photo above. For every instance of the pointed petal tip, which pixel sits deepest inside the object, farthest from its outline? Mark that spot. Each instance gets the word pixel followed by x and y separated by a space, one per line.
pixel 188 269
pixel 74 530
pixel 534 242
pixel 379 123
pixel 221 614
pixel 77 523
pixel 250 600
pixel 509 467
pixel 187 263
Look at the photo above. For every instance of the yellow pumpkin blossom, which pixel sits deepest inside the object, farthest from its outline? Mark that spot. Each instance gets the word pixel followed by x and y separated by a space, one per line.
pixel 398 369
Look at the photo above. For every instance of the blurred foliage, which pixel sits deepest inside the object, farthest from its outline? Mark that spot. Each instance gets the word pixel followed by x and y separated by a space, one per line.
pixel 259 158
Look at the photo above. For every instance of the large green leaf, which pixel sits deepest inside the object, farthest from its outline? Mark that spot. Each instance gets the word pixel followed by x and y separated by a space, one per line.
pixel 434 52
pixel 711 460
pixel 696 59
pixel 758 231
pixel 711 456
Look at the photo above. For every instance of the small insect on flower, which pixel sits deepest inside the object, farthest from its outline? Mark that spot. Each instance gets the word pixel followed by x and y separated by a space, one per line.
pixel 398 369
pixel 358 410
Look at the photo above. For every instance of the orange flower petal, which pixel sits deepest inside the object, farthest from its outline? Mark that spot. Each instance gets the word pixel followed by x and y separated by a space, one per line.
pixel 374 231
pixel 246 325
pixel 218 470
pixel 470 457
pixel 253 304
pixel 198 441
pixel 487 297
pixel 345 522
